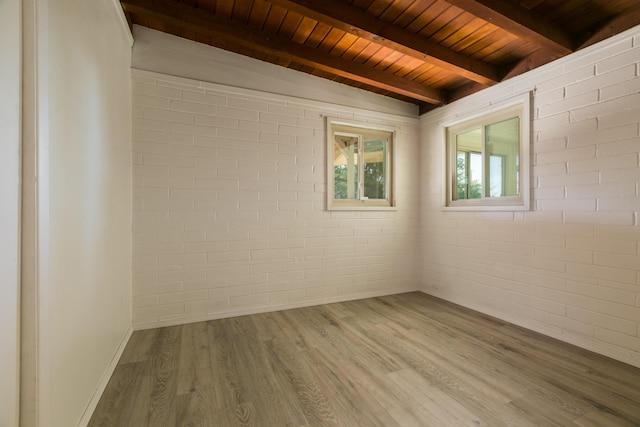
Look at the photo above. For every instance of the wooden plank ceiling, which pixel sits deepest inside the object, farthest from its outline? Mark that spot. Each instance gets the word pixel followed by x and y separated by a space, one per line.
pixel 428 52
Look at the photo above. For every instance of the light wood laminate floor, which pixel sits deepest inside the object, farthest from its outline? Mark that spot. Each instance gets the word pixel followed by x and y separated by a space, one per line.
pixel 402 360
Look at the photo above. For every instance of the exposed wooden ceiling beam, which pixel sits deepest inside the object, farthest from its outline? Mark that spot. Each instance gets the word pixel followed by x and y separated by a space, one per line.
pixel 359 23
pixel 465 90
pixel 629 18
pixel 207 23
pixel 520 22
pixel 533 61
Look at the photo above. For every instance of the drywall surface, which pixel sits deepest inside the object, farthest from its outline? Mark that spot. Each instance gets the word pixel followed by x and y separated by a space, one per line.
pixel 10 59
pixel 229 205
pixel 83 121
pixel 570 267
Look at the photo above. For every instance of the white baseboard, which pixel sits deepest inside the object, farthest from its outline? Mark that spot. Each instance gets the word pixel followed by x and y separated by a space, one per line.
pixel 106 376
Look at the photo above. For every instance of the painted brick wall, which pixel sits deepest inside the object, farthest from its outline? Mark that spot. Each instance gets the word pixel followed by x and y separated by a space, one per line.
pixel 570 268
pixel 229 206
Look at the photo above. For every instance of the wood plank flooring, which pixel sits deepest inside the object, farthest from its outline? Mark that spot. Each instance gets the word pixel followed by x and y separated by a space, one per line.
pixel 402 360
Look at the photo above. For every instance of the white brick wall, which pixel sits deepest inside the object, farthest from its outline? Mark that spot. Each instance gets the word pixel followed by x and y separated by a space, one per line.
pixel 571 267
pixel 229 206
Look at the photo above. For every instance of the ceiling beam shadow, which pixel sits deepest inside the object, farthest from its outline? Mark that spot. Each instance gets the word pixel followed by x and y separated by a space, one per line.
pixel 207 23
pixel 355 21
pixel 520 22
pixel 629 18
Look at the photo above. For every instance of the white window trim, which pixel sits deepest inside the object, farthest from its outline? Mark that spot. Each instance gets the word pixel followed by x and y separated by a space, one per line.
pixel 366 204
pixel 514 203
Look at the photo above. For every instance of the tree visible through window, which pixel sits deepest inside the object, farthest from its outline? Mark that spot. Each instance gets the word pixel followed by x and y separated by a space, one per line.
pixel 488 160
pixel 360 166
pixel 469 175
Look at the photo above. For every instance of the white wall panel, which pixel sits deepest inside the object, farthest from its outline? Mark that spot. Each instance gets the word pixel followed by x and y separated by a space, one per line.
pixel 10 104
pixel 77 256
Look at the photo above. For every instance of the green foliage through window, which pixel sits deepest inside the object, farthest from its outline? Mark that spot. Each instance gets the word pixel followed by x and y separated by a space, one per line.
pixel 360 166
pixel 465 186
pixel 488 159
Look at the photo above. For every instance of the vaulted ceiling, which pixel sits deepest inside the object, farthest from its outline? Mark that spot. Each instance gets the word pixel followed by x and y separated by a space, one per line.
pixel 427 52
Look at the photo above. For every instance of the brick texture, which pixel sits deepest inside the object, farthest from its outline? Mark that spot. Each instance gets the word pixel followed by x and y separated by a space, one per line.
pixel 229 206
pixel 570 268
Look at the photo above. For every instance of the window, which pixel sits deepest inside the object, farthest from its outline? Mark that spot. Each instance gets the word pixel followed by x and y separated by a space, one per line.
pixel 488 160
pixel 360 166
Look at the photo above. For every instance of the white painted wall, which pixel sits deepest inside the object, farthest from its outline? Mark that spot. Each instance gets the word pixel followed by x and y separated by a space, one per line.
pixel 167 54
pixel 10 60
pixel 229 198
pixel 570 268
pixel 82 292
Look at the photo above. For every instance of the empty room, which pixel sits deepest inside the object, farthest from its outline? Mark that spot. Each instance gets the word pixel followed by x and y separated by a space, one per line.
pixel 310 213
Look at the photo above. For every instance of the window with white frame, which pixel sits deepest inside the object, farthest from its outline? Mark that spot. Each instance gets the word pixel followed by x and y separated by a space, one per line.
pixel 360 165
pixel 488 160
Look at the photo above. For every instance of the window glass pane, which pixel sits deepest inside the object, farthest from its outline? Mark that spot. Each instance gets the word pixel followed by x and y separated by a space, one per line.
pixel 496 178
pixel 502 148
pixel 345 166
pixel 469 165
pixel 475 175
pixel 461 175
pixel 360 166
pixel 488 159
pixel 375 153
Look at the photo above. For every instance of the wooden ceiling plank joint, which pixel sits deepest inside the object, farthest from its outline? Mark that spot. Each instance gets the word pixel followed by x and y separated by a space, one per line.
pixel 520 22
pixel 428 52
pixel 357 22
pixel 193 19
pixel 621 22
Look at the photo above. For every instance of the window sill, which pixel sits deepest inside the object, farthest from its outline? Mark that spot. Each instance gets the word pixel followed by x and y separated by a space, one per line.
pixel 510 205
pixel 360 207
